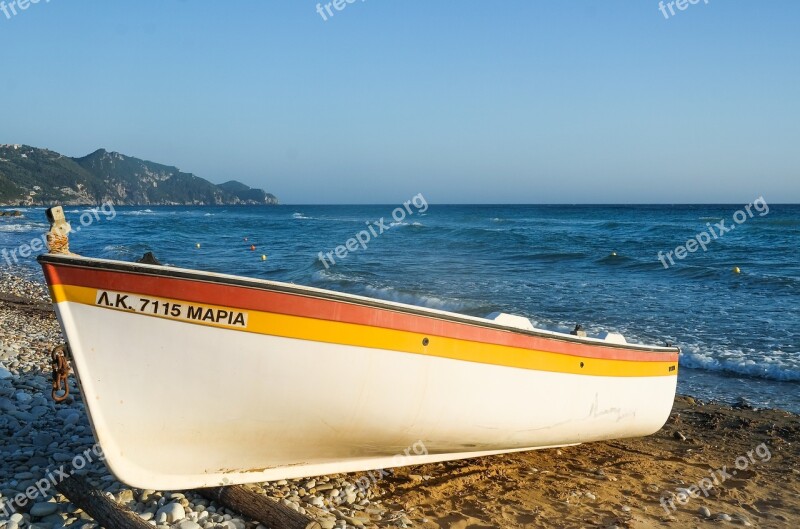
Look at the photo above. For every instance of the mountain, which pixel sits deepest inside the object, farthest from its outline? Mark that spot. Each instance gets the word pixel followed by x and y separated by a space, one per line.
pixel 244 193
pixel 40 177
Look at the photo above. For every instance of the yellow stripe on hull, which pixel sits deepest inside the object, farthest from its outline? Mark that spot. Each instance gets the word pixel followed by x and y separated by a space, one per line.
pixel 325 331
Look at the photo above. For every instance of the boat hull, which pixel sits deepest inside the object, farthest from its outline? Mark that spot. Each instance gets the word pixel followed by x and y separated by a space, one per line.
pixel 178 401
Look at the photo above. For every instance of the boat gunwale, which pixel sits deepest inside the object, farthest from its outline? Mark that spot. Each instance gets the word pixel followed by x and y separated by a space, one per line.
pixel 78 261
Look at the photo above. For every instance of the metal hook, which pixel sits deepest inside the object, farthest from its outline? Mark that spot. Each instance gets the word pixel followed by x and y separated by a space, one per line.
pixel 60 364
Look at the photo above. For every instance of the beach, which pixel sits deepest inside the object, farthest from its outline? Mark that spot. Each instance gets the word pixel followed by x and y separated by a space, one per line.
pixel 711 464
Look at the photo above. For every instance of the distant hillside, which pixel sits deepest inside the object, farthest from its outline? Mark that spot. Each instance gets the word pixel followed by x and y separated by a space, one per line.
pixel 39 177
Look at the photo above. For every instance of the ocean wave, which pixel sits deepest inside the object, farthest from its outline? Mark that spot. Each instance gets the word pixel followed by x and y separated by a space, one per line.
pixel 116 248
pixel 21 228
pixel 300 216
pixel 339 276
pixel 747 278
pixel 779 222
pixel 495 236
pixel 412 298
pixel 777 366
pixel 409 225
pixel 770 363
pixel 643 266
pixel 139 212
pixel 697 272
pixel 360 285
pixel 122 251
pixel 782 284
pixel 279 271
pixel 548 257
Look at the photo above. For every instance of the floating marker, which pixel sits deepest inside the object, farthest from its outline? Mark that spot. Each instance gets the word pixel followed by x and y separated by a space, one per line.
pixel 252 247
pixel 263 257
pixel 197 245
pixel 613 254
pixel 736 270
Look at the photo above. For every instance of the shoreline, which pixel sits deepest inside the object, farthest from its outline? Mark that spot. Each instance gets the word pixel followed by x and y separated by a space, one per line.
pixel 604 484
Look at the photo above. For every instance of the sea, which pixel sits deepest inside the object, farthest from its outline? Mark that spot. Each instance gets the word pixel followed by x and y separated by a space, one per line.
pixel 730 304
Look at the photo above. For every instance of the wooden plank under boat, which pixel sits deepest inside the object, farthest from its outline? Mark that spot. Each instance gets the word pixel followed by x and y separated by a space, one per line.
pixel 197 379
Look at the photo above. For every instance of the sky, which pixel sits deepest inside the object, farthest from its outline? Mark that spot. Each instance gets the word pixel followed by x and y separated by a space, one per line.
pixel 517 101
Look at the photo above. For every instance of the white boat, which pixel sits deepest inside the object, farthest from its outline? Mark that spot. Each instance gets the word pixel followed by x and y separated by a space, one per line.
pixel 196 379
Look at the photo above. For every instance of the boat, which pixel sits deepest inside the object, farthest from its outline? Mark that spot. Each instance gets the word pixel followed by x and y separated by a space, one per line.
pixel 198 379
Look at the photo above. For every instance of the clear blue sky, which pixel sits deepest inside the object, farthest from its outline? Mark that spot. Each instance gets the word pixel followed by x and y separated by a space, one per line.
pixel 513 101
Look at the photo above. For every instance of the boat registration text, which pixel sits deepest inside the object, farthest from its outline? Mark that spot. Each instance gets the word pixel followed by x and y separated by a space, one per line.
pixel 172 309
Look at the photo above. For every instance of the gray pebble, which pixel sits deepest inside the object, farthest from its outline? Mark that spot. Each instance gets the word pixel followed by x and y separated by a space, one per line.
pixel 186 524
pixel 42 509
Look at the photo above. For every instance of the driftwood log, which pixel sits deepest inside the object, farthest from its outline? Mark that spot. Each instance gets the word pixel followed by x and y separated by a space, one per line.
pixel 96 504
pixel 258 507
pixel 109 513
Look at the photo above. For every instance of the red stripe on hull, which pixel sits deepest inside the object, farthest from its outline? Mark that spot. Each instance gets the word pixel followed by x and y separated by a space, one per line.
pixel 311 307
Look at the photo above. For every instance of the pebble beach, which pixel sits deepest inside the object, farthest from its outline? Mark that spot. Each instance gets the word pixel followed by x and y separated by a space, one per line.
pixel 626 483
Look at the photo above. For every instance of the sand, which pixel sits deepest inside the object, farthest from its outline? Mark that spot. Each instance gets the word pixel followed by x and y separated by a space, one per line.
pixel 621 483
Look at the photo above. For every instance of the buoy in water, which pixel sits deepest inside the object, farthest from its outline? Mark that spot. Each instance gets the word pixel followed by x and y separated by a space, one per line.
pixel 613 254
pixel 197 245
pixel 252 247
pixel 736 270
pixel 263 257
pixel 245 238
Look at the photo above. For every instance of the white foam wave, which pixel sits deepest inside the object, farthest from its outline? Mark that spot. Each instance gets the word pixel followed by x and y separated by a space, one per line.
pixel 387 293
pixel 118 250
pixel 20 228
pixel 767 364
pixel 776 366
pixel 421 300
